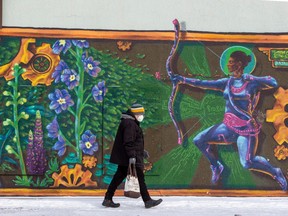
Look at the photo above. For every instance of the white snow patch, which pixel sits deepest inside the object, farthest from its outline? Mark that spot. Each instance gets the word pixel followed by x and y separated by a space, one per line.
pixel 171 206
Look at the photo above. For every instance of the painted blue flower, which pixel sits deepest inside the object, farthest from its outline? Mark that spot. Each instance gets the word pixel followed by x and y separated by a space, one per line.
pixel 60 146
pixel 53 128
pixel 99 91
pixel 91 66
pixel 59 70
pixel 88 143
pixel 61 45
pixel 60 100
pixel 84 56
pixel 70 78
pixel 81 43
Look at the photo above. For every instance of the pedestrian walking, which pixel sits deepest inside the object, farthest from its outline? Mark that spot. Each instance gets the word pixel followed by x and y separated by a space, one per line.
pixel 128 149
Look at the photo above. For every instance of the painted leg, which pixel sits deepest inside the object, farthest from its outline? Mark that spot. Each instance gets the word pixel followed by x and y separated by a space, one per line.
pixel 201 141
pixel 216 172
pixel 246 148
pixel 214 135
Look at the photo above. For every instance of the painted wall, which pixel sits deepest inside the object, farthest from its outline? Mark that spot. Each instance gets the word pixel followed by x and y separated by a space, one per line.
pixel 62 100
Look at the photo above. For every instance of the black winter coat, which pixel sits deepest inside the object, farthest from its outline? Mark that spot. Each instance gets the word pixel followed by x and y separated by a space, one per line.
pixel 129 142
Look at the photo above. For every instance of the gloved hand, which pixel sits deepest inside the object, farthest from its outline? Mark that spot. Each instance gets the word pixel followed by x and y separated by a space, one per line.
pixel 146 154
pixel 132 161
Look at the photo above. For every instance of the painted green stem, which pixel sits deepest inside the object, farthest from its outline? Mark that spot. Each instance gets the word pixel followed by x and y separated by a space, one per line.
pixel 16 122
pixel 79 103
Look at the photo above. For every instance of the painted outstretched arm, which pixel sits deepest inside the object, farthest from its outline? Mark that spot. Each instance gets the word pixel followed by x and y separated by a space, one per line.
pixel 262 83
pixel 217 85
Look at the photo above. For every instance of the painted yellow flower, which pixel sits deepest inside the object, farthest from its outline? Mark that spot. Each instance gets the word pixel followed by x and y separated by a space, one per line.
pixel 124 45
pixel 41 66
pixel 147 166
pixel 281 152
pixel 89 161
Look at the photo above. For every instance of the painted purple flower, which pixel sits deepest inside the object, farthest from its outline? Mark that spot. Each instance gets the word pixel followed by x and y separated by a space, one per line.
pixel 61 45
pixel 59 70
pixel 81 43
pixel 60 146
pixel 91 66
pixel 70 78
pixel 88 143
pixel 60 100
pixel 99 91
pixel 53 128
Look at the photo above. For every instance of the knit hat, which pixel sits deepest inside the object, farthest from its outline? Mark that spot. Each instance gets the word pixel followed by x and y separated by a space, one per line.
pixel 137 109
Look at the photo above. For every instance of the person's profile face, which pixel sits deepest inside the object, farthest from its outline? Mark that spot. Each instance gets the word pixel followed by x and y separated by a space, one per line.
pixel 231 65
pixel 235 67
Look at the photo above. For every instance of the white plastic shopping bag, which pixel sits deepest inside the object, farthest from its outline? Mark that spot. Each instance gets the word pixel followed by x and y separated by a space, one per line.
pixel 132 188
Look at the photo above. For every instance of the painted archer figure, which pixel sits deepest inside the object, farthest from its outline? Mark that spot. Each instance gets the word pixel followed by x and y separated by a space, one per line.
pixel 241 92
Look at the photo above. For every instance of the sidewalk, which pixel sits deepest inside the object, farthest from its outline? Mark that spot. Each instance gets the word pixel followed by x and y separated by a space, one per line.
pixel 171 206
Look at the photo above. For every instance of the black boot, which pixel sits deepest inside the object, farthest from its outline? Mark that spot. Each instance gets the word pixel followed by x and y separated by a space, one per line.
pixel 151 203
pixel 110 203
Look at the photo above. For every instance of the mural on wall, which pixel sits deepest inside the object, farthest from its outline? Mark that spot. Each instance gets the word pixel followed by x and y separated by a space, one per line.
pixel 56 126
pixel 241 92
pixel 218 113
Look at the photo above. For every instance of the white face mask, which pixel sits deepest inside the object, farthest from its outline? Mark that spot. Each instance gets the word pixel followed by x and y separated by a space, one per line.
pixel 140 118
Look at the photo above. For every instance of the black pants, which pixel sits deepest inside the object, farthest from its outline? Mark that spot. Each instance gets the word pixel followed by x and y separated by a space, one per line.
pixel 118 178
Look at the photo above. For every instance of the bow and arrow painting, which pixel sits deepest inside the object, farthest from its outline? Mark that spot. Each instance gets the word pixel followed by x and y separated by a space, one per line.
pixel 241 92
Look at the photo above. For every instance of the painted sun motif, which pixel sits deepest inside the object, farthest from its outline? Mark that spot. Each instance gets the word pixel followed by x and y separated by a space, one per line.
pixel 39 63
pixel 23 56
pixel 41 66
pixel 278 116
pixel 73 178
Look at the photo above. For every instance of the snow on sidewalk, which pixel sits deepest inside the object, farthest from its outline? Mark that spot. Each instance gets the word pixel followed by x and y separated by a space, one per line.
pixel 171 206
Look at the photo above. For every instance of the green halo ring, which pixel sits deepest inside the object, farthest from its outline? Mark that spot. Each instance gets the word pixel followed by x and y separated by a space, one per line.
pixel 226 55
